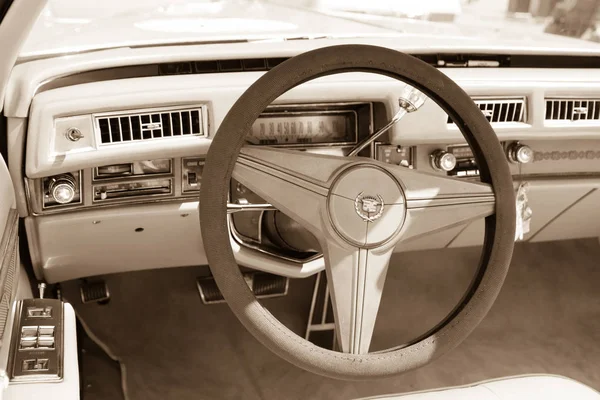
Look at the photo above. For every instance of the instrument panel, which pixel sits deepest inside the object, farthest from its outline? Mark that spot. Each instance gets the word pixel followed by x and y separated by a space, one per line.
pixel 331 128
pixel 315 125
pixel 304 129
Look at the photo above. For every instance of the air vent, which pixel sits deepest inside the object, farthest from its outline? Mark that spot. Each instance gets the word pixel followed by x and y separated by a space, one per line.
pixel 150 124
pixel 501 110
pixel 572 109
pixel 213 66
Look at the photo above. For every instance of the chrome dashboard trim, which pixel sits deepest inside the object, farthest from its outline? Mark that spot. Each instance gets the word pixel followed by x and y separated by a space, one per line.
pixel 133 202
pixel 238 239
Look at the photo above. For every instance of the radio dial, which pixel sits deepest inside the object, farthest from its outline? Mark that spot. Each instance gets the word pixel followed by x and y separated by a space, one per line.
pixel 62 189
pixel 443 161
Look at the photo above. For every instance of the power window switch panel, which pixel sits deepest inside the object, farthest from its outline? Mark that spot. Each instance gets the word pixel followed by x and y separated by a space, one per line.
pixel 39 356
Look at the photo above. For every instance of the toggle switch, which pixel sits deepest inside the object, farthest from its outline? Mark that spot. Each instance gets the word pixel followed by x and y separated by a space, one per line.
pixel 39 312
pixel 46 331
pixel 192 178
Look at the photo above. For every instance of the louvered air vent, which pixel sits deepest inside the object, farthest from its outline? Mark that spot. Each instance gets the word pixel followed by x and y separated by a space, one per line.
pixel 572 109
pixel 151 124
pixel 501 110
pixel 213 66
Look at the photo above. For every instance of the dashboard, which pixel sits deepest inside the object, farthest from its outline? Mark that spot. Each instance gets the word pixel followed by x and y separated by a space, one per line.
pixel 109 167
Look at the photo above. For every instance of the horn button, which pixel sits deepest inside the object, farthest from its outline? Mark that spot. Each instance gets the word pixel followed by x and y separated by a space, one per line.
pixel 366 206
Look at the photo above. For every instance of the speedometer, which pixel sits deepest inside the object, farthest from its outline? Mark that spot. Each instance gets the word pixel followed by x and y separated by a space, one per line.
pixel 320 128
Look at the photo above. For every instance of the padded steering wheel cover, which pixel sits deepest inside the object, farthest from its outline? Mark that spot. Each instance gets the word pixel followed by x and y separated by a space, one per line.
pixel 500 227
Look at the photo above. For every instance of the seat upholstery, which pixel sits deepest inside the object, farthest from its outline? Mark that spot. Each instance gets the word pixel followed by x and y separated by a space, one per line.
pixel 547 387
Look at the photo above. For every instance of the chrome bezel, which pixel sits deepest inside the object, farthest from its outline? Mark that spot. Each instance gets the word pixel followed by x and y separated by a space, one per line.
pixel 312 145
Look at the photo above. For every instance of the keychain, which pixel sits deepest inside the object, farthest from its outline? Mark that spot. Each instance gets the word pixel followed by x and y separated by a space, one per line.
pixel 524 212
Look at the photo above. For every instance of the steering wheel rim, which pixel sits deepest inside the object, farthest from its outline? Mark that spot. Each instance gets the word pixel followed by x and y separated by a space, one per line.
pixel 499 231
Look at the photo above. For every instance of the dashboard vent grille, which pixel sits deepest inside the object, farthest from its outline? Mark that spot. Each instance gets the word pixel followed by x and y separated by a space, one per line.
pixel 501 110
pixel 214 66
pixel 572 109
pixel 150 124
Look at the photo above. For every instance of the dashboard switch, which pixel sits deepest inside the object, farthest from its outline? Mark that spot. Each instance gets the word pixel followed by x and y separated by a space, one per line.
pixel 191 174
pixel 73 134
pixel 192 178
pixel 28 343
pixel 63 189
pixel 28 365
pixel 519 153
pixel 39 312
pixel 443 161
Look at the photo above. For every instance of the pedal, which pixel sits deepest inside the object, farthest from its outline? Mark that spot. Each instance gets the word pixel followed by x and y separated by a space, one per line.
pixel 320 329
pixel 262 284
pixel 94 291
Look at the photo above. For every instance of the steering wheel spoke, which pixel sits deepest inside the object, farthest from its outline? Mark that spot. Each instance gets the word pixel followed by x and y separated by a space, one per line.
pixel 296 183
pixel 435 202
pixel 356 277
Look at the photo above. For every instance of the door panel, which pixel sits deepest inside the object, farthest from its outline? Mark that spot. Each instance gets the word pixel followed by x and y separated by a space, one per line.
pixel 9 245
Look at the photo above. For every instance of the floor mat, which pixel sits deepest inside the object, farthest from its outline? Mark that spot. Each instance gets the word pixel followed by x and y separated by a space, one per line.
pixel 546 320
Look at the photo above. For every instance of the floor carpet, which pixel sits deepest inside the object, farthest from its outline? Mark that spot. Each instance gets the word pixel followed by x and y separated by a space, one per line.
pixel 546 320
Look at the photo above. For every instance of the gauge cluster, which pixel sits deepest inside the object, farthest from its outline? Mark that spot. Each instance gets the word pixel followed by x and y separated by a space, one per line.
pixel 315 125
pixel 301 129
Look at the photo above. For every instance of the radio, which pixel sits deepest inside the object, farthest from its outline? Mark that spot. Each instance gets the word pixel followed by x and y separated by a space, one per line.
pixel 465 164
pixel 147 187
pixel 134 179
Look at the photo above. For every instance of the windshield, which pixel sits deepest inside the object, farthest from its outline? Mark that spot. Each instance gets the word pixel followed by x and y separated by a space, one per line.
pixel 525 19
pixel 67 26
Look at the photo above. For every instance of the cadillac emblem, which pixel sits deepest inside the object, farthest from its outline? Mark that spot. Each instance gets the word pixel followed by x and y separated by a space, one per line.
pixel 369 208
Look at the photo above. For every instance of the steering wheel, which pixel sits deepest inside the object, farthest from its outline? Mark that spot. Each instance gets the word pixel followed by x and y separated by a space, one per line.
pixel 359 209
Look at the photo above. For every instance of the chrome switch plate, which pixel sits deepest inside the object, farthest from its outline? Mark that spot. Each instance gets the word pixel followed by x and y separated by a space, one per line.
pixel 37 342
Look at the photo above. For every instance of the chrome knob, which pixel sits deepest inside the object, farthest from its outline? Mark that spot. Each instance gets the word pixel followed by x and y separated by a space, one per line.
pixel 443 161
pixel 62 189
pixel 519 153
pixel 411 99
pixel 73 134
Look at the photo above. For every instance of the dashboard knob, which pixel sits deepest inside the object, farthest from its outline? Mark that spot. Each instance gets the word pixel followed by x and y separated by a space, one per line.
pixel 62 189
pixel 519 153
pixel 73 134
pixel 443 161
